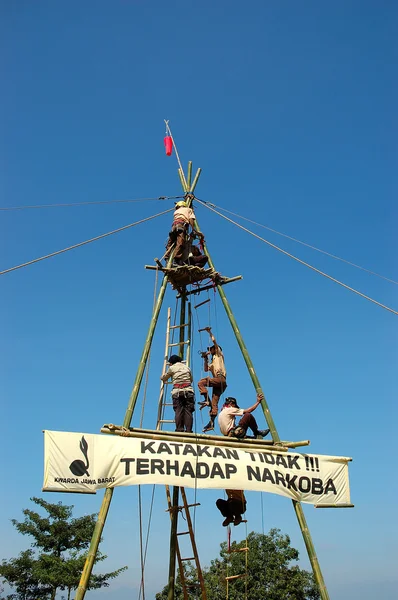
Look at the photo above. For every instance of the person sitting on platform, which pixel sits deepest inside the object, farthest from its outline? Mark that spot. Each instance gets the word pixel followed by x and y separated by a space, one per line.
pixel 182 219
pixel 231 410
pixel 196 257
pixel 218 380
pixel 233 508
pixel 182 393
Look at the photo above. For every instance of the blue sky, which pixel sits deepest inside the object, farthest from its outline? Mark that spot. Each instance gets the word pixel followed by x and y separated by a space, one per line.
pixel 290 110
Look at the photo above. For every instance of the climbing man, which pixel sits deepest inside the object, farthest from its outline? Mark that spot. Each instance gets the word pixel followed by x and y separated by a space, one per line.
pixel 183 218
pixel 232 508
pixel 218 380
pixel 231 410
pixel 182 393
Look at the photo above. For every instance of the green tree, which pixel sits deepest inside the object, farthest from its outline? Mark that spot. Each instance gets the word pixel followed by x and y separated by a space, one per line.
pixel 61 542
pixel 271 572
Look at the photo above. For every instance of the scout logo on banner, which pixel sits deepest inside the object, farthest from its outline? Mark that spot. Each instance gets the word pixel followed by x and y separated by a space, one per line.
pixel 76 462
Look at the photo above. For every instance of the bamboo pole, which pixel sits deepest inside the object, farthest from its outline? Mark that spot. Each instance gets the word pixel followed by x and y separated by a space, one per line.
pixel 95 540
pixel 173 543
pixel 181 176
pixel 208 440
pixel 189 175
pixel 311 550
pixel 196 179
pixel 99 526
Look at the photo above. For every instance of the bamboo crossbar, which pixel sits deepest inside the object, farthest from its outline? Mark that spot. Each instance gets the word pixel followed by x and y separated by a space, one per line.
pixel 210 440
pixel 334 505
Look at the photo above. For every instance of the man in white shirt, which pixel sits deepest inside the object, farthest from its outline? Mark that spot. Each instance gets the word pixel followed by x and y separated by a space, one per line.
pixel 218 380
pixel 231 410
pixel 182 219
pixel 182 393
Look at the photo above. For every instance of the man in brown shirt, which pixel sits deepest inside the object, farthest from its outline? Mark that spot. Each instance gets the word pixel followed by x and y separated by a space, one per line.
pixel 217 382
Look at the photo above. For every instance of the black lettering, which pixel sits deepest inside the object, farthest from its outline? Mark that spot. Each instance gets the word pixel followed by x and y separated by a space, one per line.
pixel 291 482
pixel 142 466
pixel 127 462
pixel 253 456
pixel 176 447
pixel 279 478
pixel 172 467
pixel 253 473
pixel 269 458
pixel 157 464
pixel 329 487
pixel 293 461
pixel 202 470
pixel 189 449
pixel 187 469
pixel 147 446
pixel 280 460
pixel 203 451
pixel 218 452
pixel 304 484
pixel 163 447
pixel 217 471
pixel 232 453
pixel 317 486
pixel 230 470
pixel 267 476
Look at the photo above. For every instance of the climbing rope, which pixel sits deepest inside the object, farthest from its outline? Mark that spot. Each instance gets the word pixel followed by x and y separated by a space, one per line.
pixel 94 239
pixel 351 289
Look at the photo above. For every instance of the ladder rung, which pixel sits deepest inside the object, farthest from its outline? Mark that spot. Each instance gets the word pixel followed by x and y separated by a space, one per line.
pixel 239 550
pixel 167 404
pixel 192 558
pixel 179 326
pixel 178 344
pixel 183 533
pixel 235 577
pixel 189 505
pixel 166 421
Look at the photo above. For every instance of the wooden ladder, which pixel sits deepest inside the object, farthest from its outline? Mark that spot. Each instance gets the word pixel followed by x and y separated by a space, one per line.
pixel 165 418
pixel 232 578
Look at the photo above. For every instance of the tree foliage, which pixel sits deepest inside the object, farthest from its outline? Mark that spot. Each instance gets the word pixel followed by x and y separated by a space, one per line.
pixel 271 572
pixel 61 542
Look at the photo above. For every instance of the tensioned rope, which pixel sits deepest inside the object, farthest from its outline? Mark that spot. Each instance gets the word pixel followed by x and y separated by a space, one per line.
pixel 289 237
pixel 351 289
pixel 94 239
pixel 8 208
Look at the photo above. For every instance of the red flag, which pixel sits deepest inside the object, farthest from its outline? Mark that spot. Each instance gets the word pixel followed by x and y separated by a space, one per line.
pixel 168 144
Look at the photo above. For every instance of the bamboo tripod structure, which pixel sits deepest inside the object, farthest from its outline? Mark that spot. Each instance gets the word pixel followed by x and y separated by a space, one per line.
pixel 188 188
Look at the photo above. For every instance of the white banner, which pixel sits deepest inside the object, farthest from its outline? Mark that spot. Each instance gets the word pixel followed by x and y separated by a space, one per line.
pixel 85 462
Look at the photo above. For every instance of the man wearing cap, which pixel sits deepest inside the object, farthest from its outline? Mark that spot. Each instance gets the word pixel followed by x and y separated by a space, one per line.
pixel 231 410
pixel 182 393
pixel 218 381
pixel 183 218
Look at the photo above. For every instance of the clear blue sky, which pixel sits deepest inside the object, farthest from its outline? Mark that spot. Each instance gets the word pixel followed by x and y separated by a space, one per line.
pixel 290 109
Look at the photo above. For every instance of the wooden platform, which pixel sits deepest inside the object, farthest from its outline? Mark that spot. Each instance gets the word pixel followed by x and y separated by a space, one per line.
pixel 182 275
